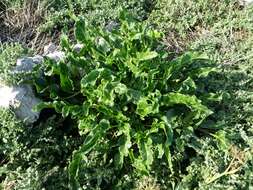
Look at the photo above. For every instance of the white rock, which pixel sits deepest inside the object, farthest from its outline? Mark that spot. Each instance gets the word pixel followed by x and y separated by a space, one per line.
pixel 245 2
pixel 27 64
pixel 77 48
pixel 22 100
pixel 248 1
pixel 50 48
pixel 7 95
pixel 112 25
pixel 37 59
pixel 56 56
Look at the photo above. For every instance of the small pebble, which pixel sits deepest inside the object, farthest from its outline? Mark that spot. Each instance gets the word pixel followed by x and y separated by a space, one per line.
pixel 50 48
pixel 56 56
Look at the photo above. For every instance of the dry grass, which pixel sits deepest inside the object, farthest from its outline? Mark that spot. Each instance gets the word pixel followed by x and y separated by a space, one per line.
pixel 238 160
pixel 147 183
pixel 9 185
pixel 21 23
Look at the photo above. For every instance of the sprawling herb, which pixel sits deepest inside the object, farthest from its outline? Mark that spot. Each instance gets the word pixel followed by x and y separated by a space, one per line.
pixel 123 89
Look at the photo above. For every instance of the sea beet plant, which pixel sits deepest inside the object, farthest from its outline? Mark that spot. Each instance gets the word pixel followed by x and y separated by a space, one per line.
pixel 134 103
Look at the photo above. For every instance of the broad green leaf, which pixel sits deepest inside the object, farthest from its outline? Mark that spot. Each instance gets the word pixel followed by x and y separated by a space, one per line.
pixel 90 79
pixel 140 166
pixel 137 36
pixel 66 82
pixel 154 34
pixel 167 144
pixel 86 106
pixel 92 139
pixel 188 86
pixel 198 56
pixel 124 146
pixel 175 67
pixel 102 45
pixel 42 106
pixel 106 74
pixel 148 105
pixel 222 140
pixel 65 42
pixel 57 105
pixel 74 169
pixel 132 67
pixel 148 55
pixel 168 156
pixel 134 95
pixel 212 97
pixel 74 111
pixel 146 152
pixel 80 30
pixel 203 72
pixel 160 150
pixel 192 102
pixel 105 93
pixel 87 124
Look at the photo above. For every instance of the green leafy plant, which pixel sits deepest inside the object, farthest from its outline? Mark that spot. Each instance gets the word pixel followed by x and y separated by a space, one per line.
pixel 132 101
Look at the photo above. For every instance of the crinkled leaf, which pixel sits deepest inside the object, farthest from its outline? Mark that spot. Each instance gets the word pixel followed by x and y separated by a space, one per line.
pixel 92 139
pixel 66 82
pixel 102 45
pixel 73 170
pixel 146 152
pixel 124 145
pixel 188 86
pixel 191 102
pixel 65 42
pixel 91 78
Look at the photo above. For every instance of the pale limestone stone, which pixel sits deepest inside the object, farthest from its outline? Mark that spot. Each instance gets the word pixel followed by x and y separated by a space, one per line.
pixel 27 64
pixel 56 56
pixel 50 48
pixel 22 100
pixel 78 47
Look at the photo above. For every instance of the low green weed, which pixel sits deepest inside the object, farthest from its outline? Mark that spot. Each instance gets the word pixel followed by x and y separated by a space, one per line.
pixel 134 103
pixel 223 30
pixel 97 12
pixel 9 53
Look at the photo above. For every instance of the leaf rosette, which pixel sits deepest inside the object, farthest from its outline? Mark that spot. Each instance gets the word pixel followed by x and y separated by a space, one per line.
pixel 123 88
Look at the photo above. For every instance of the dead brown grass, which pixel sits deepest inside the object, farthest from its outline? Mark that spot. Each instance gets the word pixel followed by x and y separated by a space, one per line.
pixel 20 24
pixel 147 183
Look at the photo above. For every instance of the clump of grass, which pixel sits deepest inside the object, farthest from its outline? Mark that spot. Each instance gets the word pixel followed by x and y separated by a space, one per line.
pixel 184 20
pixel 9 53
pixel 20 21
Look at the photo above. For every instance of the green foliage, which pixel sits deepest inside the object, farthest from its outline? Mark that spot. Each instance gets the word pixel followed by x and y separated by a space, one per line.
pixel 223 30
pixel 125 92
pixel 97 12
pixel 35 157
pixel 9 53
pixel 181 16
